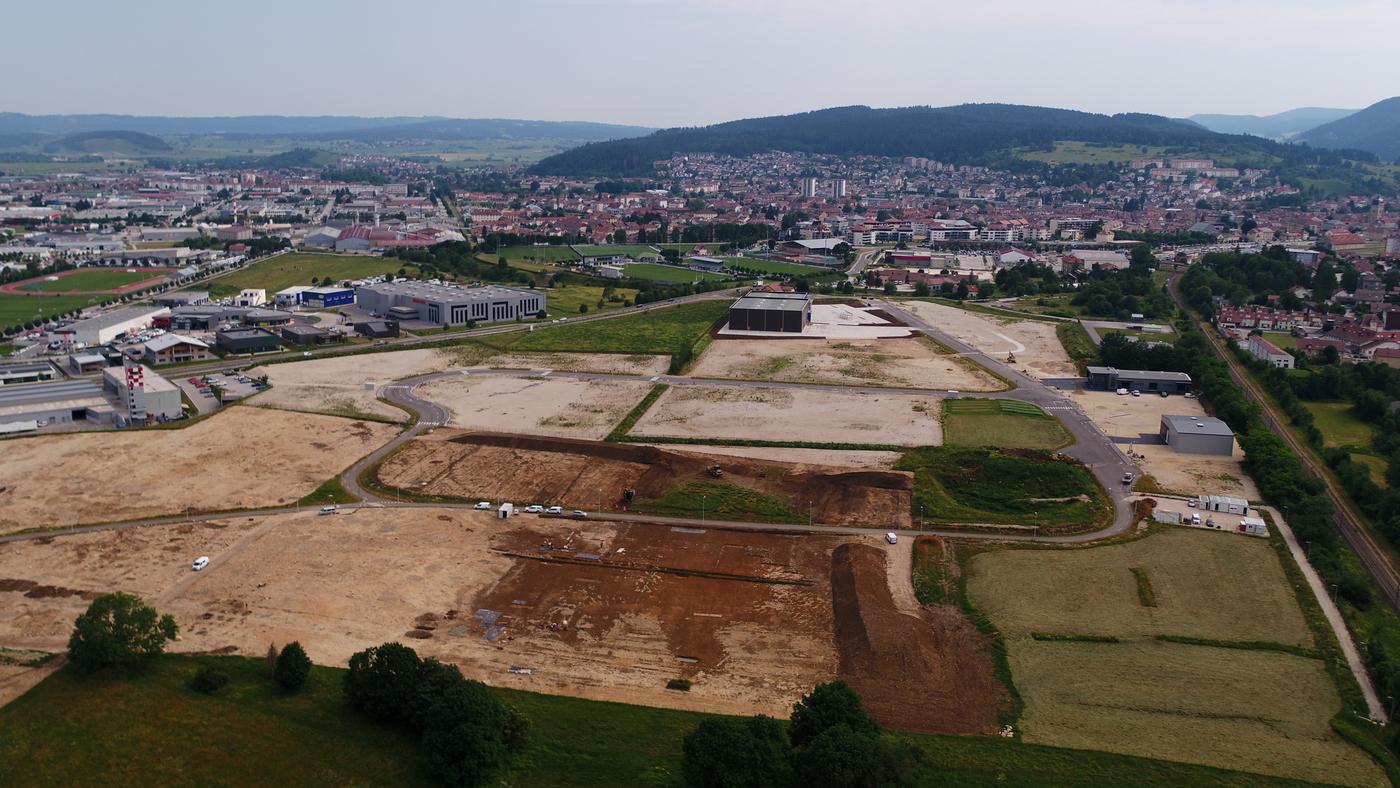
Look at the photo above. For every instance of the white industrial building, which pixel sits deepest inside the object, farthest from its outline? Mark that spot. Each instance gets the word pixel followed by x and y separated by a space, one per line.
pixel 449 305
pixel 143 397
pixel 106 327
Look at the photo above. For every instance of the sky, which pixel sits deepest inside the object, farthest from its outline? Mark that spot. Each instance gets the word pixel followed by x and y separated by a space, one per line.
pixel 691 62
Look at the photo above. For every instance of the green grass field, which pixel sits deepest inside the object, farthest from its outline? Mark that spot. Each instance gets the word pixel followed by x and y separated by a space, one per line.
pixel 297 268
pixel 660 331
pixel 720 501
pixel 655 272
pixel 1236 697
pixel 1282 339
pixel 631 250
pixel 779 267
pixel 153 730
pixel 1339 424
pixel 564 301
pixel 1142 336
pixel 92 280
pixel 1015 487
pixel 533 257
pixel 1001 422
pixel 1075 152
pixel 18 309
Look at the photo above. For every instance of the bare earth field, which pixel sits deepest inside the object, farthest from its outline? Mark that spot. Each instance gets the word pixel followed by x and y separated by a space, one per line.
pixel 594 476
pixel 794 415
pixel 1257 710
pixel 1191 474
pixel 1038 350
pixel 912 362
pixel 595 610
pixel 535 406
pixel 240 458
pixel 337 385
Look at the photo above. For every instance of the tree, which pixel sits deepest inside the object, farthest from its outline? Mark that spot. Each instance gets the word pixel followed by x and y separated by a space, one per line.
pixel 921 289
pixel 383 680
pixel 208 680
pixel 840 757
pixel 890 288
pixel 728 752
pixel 434 680
pixel 468 733
pixel 619 236
pixel 118 631
pixel 293 667
pixel 826 706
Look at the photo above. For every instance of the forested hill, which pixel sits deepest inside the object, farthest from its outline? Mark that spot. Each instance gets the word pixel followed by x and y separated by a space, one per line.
pixel 969 133
pixel 1375 129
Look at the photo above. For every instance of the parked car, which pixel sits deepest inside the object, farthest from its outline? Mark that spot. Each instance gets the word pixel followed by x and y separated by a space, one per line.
pixel 1128 478
pixel 1163 393
pixel 1121 392
pixel 1191 504
pixel 534 508
pixel 892 537
pixel 554 510
pixel 1137 393
pixel 579 514
pixel 482 505
pixel 328 510
pixel 200 563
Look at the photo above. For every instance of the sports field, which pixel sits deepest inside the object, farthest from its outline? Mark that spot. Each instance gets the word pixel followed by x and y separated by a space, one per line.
pixel 668 273
pixel 298 268
pixel 1248 694
pixel 779 267
pixel 1001 422
pixel 93 280
pixel 631 250
pixel 18 310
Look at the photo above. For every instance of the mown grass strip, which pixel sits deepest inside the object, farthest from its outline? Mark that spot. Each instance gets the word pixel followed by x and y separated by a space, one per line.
pixel 1066 637
pixel 634 415
pixel 1244 645
pixel 1078 346
pixel 1146 596
pixel 331 491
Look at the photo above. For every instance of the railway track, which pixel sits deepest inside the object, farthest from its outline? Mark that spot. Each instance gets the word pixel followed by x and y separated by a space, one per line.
pixel 1349 522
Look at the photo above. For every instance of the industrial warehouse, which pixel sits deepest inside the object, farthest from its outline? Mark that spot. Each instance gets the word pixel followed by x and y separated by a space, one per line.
pixel 449 305
pixel 789 313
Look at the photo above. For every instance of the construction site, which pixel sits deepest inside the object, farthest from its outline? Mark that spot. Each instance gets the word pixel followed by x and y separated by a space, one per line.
pixel 455 465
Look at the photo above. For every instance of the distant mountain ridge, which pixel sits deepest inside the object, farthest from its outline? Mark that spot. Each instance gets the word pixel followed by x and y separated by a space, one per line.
pixel 968 133
pixel 318 126
pixel 107 141
pixel 1278 126
pixel 1375 129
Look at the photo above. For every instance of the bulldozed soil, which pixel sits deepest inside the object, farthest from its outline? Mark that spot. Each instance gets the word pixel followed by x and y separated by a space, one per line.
pixel 932 672
pixel 594 476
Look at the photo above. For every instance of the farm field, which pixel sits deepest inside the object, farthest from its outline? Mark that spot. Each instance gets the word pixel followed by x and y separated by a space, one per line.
pixel 550 406
pixel 660 331
pixel 899 363
pixel 298 268
pixel 1003 423
pixel 20 309
pixel 656 272
pixel 1339 424
pixel 1012 487
pixel 536 254
pixel 1265 710
pixel 93 280
pixel 452 465
pixel 792 415
pixel 1037 349
pixel 211 465
pixel 74 726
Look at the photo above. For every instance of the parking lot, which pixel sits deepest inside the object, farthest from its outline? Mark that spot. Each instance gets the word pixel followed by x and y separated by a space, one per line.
pixel 201 389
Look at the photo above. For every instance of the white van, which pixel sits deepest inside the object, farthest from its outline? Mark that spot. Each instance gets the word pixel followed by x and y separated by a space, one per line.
pixel 892 537
pixel 328 510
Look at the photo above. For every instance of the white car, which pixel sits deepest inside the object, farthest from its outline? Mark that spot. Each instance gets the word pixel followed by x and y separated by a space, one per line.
pixel 554 510
pixel 482 505
pixel 534 508
pixel 328 510
pixel 579 514
pixel 892 537
pixel 1137 393
pixel 200 563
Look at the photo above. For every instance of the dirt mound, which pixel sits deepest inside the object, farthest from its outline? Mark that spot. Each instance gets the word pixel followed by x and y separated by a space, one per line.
pixel 538 469
pixel 931 673
pixel 34 590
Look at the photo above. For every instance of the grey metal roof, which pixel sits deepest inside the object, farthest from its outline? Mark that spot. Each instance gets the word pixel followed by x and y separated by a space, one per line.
pixel 784 302
pixel 1198 425
pixel 59 391
pixel 1140 374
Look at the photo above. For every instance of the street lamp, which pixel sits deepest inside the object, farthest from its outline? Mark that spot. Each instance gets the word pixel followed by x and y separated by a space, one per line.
pixel 702 508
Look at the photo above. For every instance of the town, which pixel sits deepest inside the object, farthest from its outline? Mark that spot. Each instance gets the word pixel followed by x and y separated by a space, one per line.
pixel 791 443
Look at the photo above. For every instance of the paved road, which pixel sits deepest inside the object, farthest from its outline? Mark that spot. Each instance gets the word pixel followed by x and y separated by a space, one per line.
pixel 1091 327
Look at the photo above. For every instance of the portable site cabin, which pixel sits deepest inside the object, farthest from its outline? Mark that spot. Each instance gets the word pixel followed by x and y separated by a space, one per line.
pixel 1254 526
pixel 506 510
pixel 1224 503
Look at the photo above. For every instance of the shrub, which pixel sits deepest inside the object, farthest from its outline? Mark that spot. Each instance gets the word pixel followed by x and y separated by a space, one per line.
pixel 293 667
pixel 208 681
pixel 729 752
pixel 678 684
pixel 826 706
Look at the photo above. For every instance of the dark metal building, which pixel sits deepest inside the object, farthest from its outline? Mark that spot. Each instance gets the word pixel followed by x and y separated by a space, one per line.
pixel 783 312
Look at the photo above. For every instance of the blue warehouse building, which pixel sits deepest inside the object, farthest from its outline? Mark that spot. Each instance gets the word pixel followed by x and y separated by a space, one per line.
pixel 326 297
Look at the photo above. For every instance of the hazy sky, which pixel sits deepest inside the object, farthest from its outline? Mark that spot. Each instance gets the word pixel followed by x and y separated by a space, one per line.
pixel 685 62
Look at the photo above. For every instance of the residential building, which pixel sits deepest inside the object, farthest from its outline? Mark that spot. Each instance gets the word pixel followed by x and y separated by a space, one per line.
pixel 1264 350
